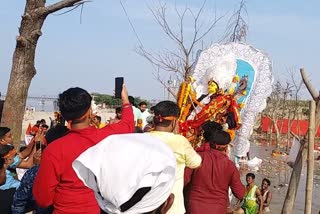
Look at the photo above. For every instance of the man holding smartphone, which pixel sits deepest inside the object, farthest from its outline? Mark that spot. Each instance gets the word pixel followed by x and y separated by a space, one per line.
pixel 56 182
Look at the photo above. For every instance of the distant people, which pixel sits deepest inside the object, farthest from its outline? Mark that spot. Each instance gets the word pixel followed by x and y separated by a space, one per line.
pixel 57 120
pixel 118 116
pixel 166 123
pixel 35 128
pixel 23 199
pixel 253 194
pixel 209 184
pixel 266 195
pixel 56 182
pixel 139 179
pixel 97 122
pixel 136 112
pixel 150 125
pixel 143 106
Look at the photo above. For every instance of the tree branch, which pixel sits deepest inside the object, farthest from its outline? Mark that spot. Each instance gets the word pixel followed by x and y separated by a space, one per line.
pixel 62 4
pixel 314 93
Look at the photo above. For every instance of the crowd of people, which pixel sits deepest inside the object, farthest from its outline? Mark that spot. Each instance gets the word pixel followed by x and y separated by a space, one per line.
pixel 136 163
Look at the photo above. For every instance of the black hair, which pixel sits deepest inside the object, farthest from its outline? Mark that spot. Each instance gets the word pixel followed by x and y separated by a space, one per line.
pixel 143 103
pixel 165 109
pixel 5 149
pixel 56 132
pixel 267 180
pixel 152 108
pixel 73 103
pixel 42 121
pixel 132 101
pixel 118 110
pixel 220 137
pixel 209 128
pixel 45 126
pixel 98 118
pixel 3 131
pixel 250 174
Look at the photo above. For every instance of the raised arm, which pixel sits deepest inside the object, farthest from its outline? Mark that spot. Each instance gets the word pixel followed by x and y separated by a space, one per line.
pixel 126 124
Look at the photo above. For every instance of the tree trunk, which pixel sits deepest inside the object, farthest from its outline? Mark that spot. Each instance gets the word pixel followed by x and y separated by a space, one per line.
pixel 23 69
pixel 276 131
pixel 294 181
pixel 310 160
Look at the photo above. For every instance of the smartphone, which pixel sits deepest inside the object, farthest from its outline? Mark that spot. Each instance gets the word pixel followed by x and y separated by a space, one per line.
pixel 118 86
pixel 38 145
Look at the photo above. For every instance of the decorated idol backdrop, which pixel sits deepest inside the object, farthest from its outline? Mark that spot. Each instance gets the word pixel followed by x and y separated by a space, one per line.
pixel 230 85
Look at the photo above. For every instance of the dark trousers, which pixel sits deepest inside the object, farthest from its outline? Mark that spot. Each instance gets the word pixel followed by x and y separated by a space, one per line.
pixel 6 198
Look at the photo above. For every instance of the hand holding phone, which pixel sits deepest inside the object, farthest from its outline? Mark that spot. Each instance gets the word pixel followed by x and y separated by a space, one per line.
pixel 118 86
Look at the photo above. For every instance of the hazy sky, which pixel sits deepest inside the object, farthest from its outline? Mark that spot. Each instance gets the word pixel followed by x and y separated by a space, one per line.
pixel 92 53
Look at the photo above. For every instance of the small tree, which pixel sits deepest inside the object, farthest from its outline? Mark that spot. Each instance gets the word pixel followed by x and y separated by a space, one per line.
pixel 237 27
pixel 181 60
pixel 23 61
pixel 273 111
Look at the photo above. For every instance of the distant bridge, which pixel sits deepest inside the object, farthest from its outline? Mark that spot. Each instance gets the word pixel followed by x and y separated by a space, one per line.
pixel 42 98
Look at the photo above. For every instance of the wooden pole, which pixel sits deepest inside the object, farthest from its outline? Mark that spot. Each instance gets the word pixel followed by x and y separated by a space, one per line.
pixel 310 159
pixel 288 204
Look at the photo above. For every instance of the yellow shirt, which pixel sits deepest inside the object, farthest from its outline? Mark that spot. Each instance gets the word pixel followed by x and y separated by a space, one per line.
pixel 186 156
pixel 101 125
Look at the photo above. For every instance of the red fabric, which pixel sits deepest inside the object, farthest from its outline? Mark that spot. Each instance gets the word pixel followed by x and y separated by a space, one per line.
pixel 34 129
pixel 56 182
pixel 210 183
pixel 28 131
pixel 283 126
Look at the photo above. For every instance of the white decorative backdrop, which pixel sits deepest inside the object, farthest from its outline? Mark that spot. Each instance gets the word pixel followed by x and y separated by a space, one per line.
pixel 218 63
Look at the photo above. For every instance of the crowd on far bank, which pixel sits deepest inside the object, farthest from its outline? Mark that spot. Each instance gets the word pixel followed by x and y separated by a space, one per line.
pixel 135 163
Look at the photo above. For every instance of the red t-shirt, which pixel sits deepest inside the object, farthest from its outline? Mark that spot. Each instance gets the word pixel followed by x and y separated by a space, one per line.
pixel 56 182
pixel 209 184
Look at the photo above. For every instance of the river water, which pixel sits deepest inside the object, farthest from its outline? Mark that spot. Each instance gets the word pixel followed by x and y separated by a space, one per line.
pixel 278 172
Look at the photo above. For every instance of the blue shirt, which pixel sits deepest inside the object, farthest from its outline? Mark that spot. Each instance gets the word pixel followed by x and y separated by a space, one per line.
pixel 10 182
pixel 23 196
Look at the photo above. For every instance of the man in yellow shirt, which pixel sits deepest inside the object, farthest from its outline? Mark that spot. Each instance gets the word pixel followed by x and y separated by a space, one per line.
pixel 97 122
pixel 166 122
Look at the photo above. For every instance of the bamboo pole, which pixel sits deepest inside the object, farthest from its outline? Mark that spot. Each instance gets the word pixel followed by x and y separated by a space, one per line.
pixel 310 159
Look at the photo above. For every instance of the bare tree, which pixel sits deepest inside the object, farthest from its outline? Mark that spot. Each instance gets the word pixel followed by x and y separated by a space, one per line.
pixel 294 107
pixel 237 27
pixel 278 108
pixel 181 60
pixel 23 62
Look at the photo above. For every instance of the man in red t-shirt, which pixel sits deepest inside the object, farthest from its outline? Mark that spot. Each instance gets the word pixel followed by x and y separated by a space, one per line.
pixel 209 184
pixel 56 182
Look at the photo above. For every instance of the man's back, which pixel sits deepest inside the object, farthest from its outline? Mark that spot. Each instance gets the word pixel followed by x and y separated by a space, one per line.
pixel 210 182
pixel 185 157
pixel 57 183
pixel 70 191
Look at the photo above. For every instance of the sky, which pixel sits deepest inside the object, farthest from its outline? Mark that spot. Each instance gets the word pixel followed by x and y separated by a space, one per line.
pixel 91 53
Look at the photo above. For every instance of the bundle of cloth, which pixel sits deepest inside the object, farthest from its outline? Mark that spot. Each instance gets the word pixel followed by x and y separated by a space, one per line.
pixel 129 173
